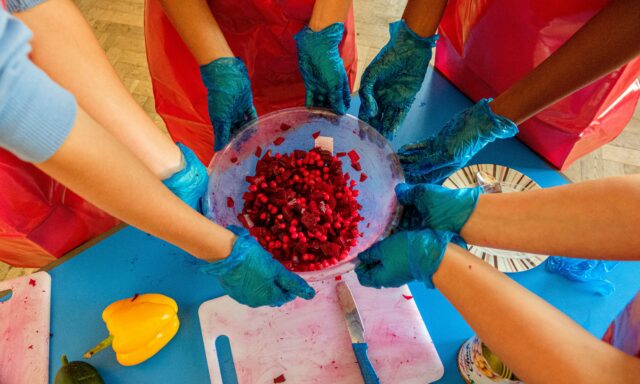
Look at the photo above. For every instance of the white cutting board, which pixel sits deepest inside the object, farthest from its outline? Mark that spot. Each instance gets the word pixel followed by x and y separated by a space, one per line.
pixel 308 341
pixel 24 330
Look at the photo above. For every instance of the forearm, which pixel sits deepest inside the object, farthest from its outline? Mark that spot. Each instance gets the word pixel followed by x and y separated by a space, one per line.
pixel 198 28
pixel 609 40
pixel 595 219
pixel 97 167
pixel 327 12
pixel 423 16
pixel 66 49
pixel 536 341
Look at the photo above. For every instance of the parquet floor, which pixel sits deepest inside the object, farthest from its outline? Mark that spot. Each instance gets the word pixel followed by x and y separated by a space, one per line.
pixel 118 24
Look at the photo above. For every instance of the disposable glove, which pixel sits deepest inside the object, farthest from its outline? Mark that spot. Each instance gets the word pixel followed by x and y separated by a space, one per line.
pixel 322 68
pixel 252 277
pixel 436 158
pixel 404 257
pixel 390 83
pixel 229 96
pixel 191 182
pixel 436 207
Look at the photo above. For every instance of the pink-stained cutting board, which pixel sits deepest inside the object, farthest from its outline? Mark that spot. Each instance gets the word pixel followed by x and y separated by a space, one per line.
pixel 308 341
pixel 24 330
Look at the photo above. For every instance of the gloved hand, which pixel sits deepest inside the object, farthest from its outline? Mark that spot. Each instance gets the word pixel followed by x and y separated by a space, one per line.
pixel 436 207
pixel 252 277
pixel 322 68
pixel 390 83
pixel 404 257
pixel 191 182
pixel 436 158
pixel 230 98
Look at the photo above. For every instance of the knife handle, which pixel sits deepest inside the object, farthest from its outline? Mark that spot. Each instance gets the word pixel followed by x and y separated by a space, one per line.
pixel 368 373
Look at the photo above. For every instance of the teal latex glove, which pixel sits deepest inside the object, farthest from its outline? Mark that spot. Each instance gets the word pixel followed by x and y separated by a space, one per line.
pixel 322 68
pixel 436 158
pixel 252 277
pixel 191 182
pixel 436 207
pixel 229 96
pixel 404 257
pixel 390 83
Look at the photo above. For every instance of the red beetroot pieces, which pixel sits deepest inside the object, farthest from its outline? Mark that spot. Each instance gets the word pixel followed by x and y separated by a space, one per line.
pixel 302 208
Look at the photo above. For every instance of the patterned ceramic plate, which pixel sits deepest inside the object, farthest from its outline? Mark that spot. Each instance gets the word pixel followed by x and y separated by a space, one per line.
pixel 510 181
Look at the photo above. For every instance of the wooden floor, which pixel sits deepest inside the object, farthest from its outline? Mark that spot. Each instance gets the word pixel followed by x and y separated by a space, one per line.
pixel 118 24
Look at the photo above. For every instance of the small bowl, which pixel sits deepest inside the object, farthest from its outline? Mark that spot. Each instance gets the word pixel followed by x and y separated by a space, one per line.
pixel 380 208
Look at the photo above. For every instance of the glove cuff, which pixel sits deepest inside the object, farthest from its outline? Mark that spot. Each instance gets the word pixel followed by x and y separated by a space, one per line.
pixel 189 183
pixel 235 258
pixel 498 126
pixel 221 68
pixel 400 31
pixel 331 34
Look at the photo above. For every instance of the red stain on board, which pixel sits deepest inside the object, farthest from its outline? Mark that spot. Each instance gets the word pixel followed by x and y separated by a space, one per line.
pixel 338 278
pixel 407 297
pixel 363 177
pixel 279 379
pixel 32 282
pixel 230 202
pixel 31 346
pixel 316 134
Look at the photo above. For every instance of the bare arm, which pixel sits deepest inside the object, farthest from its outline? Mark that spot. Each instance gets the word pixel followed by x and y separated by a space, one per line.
pixel 66 49
pixel 327 12
pixel 198 28
pixel 538 342
pixel 96 166
pixel 423 16
pixel 595 219
pixel 609 40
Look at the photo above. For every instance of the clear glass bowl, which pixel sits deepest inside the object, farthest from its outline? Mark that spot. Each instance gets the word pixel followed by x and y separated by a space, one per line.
pixel 380 207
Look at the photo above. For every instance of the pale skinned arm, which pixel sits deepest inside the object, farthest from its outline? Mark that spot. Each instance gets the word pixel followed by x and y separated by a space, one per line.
pixel 423 16
pixel 327 12
pixel 595 219
pixel 535 340
pixel 96 166
pixel 66 49
pixel 608 41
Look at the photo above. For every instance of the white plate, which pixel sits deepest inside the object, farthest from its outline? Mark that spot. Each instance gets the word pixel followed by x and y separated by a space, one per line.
pixel 511 181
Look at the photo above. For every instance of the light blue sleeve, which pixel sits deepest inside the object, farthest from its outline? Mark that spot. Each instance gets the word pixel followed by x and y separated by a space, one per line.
pixel 21 5
pixel 36 114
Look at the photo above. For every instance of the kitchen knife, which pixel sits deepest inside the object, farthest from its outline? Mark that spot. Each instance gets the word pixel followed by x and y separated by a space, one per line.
pixel 356 331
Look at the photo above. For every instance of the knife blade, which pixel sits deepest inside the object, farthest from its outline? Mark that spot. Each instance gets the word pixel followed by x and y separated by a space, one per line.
pixel 356 331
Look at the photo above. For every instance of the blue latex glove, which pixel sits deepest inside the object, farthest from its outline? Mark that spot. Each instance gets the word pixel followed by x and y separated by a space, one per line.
pixel 390 83
pixel 252 277
pixel 230 98
pixel 436 158
pixel 404 257
pixel 190 183
pixel 436 207
pixel 322 68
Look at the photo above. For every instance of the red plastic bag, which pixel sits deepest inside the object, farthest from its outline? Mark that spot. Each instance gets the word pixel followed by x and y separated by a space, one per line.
pixel 40 219
pixel 486 46
pixel 260 32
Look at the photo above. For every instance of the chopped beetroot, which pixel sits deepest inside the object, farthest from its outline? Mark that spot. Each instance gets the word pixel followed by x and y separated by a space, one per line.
pixel 363 177
pixel 338 278
pixel 341 154
pixel 284 127
pixel 258 151
pixel 230 202
pixel 368 225
pixel 302 208
pixel 32 282
pixel 278 141
pixel 234 160
pixel 353 155
pixel 279 379
pixel 407 297
pixel 356 166
pixel 315 134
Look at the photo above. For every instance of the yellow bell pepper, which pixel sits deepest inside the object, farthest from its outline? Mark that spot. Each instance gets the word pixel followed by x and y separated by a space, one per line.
pixel 139 327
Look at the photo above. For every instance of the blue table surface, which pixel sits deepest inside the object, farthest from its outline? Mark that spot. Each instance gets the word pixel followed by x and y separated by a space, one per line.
pixel 131 261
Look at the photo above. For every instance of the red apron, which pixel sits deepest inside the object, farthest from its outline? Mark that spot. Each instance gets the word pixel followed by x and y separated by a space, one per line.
pixel 260 32
pixel 40 219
